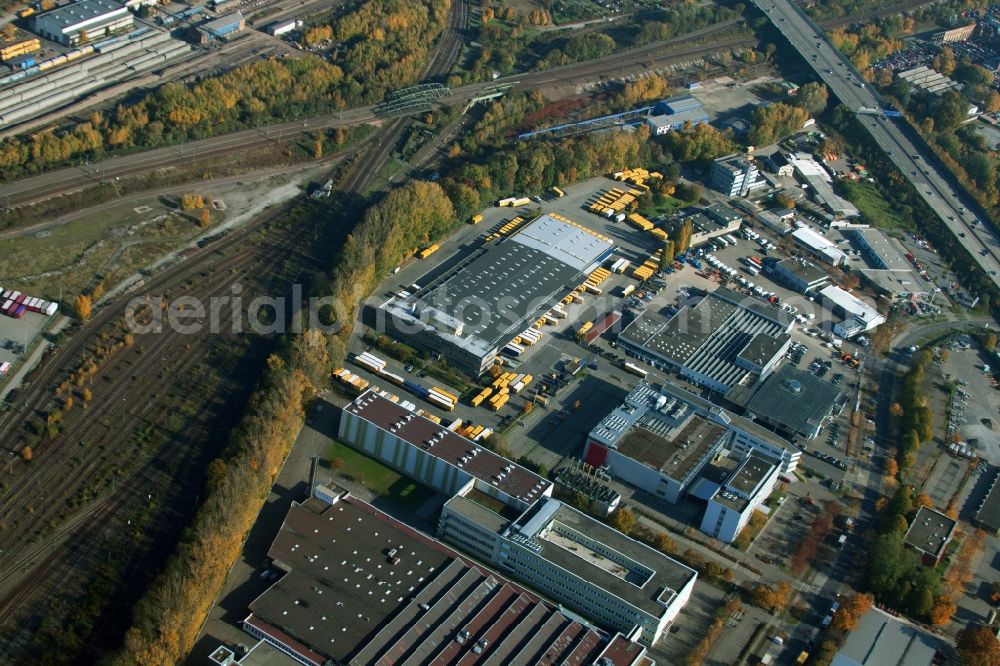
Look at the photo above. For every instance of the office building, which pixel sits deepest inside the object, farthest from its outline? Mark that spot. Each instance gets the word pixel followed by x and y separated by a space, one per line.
pixel 656 409
pixel 801 275
pixel 656 443
pixel 433 455
pixel 469 312
pixel 735 176
pixel 731 506
pixel 356 586
pixel 795 402
pixel 929 534
pixel 859 316
pixel 723 340
pixel 83 21
pixel 592 569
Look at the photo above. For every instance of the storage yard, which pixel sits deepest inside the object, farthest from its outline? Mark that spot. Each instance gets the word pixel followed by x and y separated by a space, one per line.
pixel 761 321
pixel 74 52
pixel 58 81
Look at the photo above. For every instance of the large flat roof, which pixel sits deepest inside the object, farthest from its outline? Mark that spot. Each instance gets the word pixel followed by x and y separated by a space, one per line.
pixel 882 247
pixel 850 303
pixel 676 454
pixel 513 280
pixel 713 336
pixel 882 640
pixel 930 531
pixel 988 514
pixel 744 482
pixel 650 580
pixel 495 470
pixel 84 10
pixel 806 271
pixel 344 597
pixel 794 398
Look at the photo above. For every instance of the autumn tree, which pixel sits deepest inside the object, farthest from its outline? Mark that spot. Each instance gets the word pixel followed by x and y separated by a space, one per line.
pixel 851 609
pixel 27 454
pixel 978 646
pixel 813 97
pixel 667 254
pixel 664 543
pixel 204 218
pixel 771 597
pixel 944 607
pixel 775 121
pixel 682 239
pixel 623 520
pixel 82 307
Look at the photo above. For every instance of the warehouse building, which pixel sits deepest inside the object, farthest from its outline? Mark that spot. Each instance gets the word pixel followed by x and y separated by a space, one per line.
pixel 928 80
pixel 433 455
pixel 888 272
pixel 731 506
pixel 819 245
pixel 83 21
pixel 735 176
pixel 859 316
pixel 929 534
pixel 357 586
pixel 221 28
pixel 705 225
pixel 794 402
pixel 470 312
pixel 799 274
pixel 674 113
pixel 881 638
pixel 820 185
pixel 504 515
pixel 988 513
pixel 722 341
pixel 621 584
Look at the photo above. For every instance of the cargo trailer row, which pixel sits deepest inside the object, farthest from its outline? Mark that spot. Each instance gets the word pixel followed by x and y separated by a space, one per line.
pixel 369 362
pixel 15 304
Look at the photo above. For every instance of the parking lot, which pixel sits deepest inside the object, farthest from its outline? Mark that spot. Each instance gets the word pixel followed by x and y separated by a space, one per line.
pixel 975 403
pixel 16 335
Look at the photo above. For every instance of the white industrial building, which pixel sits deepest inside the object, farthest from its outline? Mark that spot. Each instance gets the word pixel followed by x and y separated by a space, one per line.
pixel 858 315
pixel 503 514
pixel 83 21
pixel 731 506
pixel 671 443
pixel 819 245
pixel 888 271
pixel 719 342
pixel 735 176
pixel 820 184
pixel 433 455
pixel 592 569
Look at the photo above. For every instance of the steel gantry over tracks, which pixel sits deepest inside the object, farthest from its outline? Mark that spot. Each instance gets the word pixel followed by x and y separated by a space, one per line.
pixel 415 99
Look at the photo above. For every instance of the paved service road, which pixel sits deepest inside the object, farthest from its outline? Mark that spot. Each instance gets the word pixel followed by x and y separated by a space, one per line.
pixel 893 135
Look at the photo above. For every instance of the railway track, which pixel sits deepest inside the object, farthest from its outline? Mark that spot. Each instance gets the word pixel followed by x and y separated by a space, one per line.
pixel 127 402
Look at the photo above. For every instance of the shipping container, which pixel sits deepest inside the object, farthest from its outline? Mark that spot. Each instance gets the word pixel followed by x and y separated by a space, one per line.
pixel 603 325
pixel 414 388
pixel 512 349
pixel 634 369
pixel 393 378
pixel 628 290
pixel 51 308
pixel 558 192
pixel 438 401
pixel 447 394
pixel 476 219
pixel 428 251
pixel 367 364
pixel 19 312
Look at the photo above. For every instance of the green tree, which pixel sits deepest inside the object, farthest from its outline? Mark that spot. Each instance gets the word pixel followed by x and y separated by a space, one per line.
pixel 813 97
pixel 667 254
